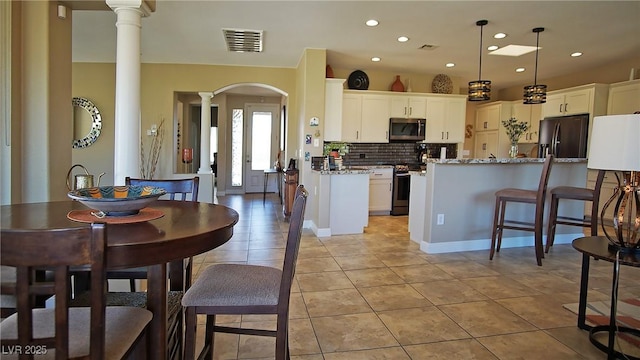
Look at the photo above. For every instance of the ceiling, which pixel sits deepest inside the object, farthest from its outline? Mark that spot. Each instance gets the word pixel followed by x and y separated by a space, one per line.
pixel 191 32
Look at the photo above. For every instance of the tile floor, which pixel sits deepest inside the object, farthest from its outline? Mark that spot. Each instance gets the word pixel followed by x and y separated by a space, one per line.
pixel 377 296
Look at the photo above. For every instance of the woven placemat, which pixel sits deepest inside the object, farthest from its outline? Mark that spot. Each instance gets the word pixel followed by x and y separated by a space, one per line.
pixel 86 216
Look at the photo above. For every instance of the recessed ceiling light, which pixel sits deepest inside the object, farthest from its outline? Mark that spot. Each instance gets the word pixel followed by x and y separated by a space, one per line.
pixel 500 36
pixel 492 47
pixel 375 59
pixel 450 65
pixel 520 69
pixel 372 22
pixel 576 54
pixel 403 39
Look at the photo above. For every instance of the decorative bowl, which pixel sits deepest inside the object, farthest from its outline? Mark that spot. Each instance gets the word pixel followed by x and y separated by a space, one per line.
pixel 117 200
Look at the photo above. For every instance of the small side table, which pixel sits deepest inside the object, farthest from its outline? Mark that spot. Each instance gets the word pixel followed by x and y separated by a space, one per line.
pixel 268 172
pixel 598 248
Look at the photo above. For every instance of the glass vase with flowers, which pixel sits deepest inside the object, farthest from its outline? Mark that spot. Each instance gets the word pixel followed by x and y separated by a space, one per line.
pixel 514 129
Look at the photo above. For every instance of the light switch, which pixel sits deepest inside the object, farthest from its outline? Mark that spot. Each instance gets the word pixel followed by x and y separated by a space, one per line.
pixel 316 142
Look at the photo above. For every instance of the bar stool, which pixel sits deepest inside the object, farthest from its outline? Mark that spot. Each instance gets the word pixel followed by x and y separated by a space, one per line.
pixel 536 197
pixel 574 193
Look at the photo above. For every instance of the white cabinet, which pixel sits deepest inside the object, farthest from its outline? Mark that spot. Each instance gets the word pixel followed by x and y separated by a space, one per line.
pixel 408 106
pixel 577 100
pixel 486 143
pixel 491 137
pixel 333 109
pixel 351 118
pixel 380 190
pixel 624 98
pixel 445 119
pixel 365 118
pixel 531 114
pixel 375 119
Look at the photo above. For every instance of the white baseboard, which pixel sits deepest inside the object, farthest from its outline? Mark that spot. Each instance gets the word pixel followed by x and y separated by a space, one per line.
pixel 485 244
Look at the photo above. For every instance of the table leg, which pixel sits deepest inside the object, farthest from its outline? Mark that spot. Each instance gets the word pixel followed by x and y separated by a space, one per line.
pixel 264 188
pixel 157 304
pixel 584 283
pixel 612 316
pixel 280 186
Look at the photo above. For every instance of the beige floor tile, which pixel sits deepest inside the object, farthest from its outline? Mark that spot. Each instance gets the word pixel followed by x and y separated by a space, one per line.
pixel 335 302
pixel 316 264
pixel 466 269
pixel 535 345
pixel 373 277
pixel 499 287
pixel 485 318
pixel 358 296
pixel 547 283
pixel 393 297
pixel 330 280
pixel 421 273
pixel 391 353
pixel 421 325
pixel 359 262
pixel 448 292
pixel 302 339
pixel 543 311
pixel 401 259
pixel 448 350
pixel 351 332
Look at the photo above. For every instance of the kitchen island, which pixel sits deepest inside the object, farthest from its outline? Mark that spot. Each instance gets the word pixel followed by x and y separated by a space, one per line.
pixel 452 202
pixel 342 205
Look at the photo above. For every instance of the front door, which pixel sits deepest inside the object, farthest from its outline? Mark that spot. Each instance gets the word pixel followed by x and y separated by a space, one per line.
pixel 261 145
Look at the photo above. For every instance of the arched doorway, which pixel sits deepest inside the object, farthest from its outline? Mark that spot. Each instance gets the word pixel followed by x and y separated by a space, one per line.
pixel 238 169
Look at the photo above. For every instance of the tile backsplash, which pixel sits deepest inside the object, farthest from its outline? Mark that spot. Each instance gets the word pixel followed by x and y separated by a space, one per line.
pixel 374 154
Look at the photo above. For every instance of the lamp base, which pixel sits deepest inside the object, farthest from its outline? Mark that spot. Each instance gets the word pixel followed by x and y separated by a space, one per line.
pixel 623 249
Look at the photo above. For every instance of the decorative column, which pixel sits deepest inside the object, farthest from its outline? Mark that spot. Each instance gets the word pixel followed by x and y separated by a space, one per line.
pixel 127 112
pixel 205 133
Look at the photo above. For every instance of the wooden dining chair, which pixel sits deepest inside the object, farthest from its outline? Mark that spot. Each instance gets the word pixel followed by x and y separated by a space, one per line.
pixel 225 289
pixel 177 189
pixel 536 197
pixel 574 193
pixel 98 331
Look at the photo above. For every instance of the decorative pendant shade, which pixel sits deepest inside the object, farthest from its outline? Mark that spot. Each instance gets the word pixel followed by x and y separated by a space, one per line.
pixel 480 90
pixel 536 94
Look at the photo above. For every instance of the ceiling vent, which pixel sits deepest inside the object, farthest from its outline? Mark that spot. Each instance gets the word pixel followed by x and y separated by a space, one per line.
pixel 428 47
pixel 239 40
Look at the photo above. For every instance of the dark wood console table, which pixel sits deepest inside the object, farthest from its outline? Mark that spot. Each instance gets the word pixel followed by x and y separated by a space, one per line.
pixel 598 248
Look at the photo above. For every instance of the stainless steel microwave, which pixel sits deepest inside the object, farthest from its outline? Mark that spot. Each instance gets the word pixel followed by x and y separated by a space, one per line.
pixel 402 129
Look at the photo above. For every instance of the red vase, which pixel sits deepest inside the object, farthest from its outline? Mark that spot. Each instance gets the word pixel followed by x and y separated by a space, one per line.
pixel 329 72
pixel 397 85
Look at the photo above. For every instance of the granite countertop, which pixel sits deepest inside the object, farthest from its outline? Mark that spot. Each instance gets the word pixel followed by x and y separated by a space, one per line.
pixel 504 161
pixel 355 169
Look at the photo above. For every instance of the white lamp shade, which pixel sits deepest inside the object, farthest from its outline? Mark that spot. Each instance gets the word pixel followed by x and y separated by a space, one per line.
pixel 615 143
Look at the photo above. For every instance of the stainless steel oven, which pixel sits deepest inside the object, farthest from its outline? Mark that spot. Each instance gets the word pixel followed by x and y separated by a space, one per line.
pixel 401 186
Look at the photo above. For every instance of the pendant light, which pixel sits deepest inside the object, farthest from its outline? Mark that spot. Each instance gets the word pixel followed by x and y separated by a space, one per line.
pixel 480 90
pixel 536 94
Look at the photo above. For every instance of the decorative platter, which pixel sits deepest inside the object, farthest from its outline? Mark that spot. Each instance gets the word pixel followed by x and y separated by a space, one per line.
pixel 117 200
pixel 90 215
pixel 442 84
pixel 358 80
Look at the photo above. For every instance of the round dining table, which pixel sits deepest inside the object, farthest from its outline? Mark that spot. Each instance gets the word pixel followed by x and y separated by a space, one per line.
pixel 184 229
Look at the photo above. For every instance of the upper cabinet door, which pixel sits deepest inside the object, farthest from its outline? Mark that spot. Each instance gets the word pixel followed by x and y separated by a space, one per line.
pixel 624 98
pixel 375 119
pixel 351 117
pixel 408 106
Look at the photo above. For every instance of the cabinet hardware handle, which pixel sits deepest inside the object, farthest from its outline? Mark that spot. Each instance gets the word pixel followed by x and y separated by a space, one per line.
pixel 565 107
pixel 389 187
pixel 357 134
pixel 447 135
pixel 410 110
pixel 561 107
pixel 405 110
pixel 442 135
pixel 485 125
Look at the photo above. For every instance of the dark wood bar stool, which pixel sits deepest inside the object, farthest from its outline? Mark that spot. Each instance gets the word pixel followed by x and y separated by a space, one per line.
pixel 574 193
pixel 536 197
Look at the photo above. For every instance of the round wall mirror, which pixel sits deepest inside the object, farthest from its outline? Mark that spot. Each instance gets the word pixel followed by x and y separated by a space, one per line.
pixel 87 122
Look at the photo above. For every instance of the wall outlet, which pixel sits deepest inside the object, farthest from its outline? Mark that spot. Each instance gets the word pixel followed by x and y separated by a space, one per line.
pixel 440 220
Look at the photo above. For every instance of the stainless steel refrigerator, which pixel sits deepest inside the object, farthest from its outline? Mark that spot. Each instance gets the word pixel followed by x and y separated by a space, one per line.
pixel 564 136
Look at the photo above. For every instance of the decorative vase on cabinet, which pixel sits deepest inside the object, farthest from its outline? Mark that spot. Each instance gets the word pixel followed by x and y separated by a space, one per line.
pixel 397 85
